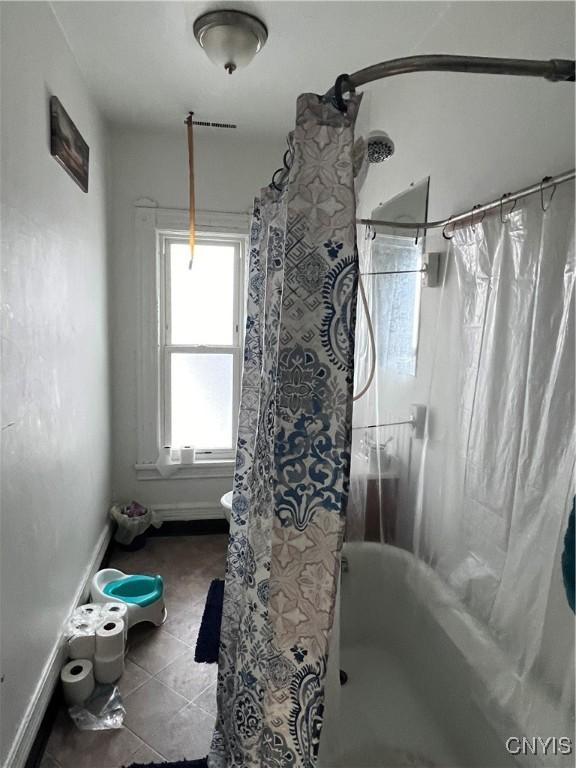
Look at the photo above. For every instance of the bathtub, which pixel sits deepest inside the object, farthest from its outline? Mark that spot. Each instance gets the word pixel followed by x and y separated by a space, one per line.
pixel 421 673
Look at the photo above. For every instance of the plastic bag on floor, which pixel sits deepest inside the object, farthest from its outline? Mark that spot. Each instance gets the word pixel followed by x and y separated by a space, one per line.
pixel 103 711
pixel 132 520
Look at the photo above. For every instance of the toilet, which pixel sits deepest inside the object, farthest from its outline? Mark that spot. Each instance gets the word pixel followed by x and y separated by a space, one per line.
pixel 226 503
pixel 143 595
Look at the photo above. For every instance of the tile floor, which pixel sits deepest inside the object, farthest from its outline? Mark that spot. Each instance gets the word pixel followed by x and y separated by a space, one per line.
pixel 170 700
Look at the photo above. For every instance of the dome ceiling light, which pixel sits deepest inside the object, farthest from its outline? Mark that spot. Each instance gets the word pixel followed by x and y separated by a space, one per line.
pixel 230 38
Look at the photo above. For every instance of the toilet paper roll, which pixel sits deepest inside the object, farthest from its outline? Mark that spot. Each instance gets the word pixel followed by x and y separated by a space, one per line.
pixel 88 611
pixel 82 645
pixel 108 670
pixel 117 611
pixel 110 639
pixel 187 455
pixel 77 681
pixel 82 626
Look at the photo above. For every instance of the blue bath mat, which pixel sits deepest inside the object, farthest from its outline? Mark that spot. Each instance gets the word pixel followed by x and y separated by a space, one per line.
pixel 178 764
pixel 568 559
pixel 208 642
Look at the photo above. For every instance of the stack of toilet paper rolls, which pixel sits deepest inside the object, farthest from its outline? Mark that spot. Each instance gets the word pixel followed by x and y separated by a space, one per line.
pixel 96 640
pixel 109 655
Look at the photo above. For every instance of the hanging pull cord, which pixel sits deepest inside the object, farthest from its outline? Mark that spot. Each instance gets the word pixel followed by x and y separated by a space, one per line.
pixel 192 217
pixel 372 343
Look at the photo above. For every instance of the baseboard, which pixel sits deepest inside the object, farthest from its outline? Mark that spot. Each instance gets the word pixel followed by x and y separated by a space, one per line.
pixel 193 510
pixel 190 528
pixel 26 734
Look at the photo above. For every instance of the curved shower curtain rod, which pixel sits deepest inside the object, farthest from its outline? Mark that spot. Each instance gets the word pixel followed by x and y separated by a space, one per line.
pixel 470 215
pixel 555 70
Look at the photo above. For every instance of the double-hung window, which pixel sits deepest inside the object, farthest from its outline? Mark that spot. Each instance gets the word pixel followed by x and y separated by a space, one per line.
pixel 200 342
pixel 191 321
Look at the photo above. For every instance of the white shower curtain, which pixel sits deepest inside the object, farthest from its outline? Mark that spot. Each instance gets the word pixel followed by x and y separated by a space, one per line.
pixel 498 473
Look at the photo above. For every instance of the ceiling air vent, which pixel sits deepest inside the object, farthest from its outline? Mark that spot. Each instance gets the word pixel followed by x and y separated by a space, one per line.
pixel 213 125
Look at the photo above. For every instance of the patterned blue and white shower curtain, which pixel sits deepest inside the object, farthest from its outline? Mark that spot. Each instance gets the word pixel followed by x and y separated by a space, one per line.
pixel 293 455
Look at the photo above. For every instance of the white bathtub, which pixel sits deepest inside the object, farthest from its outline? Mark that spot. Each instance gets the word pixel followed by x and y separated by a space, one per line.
pixel 419 673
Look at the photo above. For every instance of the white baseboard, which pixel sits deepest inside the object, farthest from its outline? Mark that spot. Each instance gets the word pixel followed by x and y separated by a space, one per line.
pixel 192 510
pixel 30 724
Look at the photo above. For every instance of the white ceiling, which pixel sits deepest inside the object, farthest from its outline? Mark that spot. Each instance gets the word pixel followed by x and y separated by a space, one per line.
pixel 144 66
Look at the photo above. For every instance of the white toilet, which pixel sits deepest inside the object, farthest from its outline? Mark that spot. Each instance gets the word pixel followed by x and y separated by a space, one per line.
pixel 226 502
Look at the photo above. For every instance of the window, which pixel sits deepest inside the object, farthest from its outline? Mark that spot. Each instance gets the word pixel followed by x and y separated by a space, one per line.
pixel 200 343
pixel 396 296
pixel 397 301
pixel 190 333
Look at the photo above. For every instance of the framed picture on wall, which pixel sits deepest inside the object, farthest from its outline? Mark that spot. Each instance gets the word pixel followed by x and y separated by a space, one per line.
pixel 67 145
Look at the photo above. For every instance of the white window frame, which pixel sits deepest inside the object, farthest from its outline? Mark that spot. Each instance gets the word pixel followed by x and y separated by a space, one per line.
pixel 167 349
pixel 154 228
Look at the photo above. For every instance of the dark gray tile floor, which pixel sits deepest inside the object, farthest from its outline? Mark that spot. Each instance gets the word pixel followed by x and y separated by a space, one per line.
pixel 170 700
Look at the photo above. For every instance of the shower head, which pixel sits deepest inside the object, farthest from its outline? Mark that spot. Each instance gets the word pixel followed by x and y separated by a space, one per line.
pixel 376 148
pixel 379 147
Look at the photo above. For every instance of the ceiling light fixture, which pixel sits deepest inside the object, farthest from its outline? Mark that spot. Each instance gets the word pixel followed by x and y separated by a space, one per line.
pixel 230 38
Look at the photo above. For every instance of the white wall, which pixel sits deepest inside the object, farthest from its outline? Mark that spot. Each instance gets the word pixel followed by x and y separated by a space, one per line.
pixel 55 461
pixel 229 171
pixel 476 136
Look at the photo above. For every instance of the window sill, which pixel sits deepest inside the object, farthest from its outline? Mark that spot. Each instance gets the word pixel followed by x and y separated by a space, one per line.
pixel 198 470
